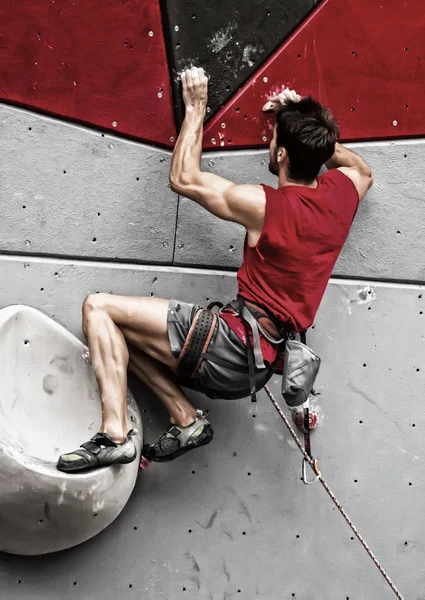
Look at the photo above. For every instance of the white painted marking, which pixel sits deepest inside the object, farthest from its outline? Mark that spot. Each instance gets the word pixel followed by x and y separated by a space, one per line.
pixel 221 38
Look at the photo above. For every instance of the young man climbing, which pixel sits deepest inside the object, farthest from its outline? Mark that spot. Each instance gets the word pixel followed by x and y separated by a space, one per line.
pixel 294 235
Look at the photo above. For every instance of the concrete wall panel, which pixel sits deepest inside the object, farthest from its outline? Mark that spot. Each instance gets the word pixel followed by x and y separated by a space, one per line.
pixel 69 191
pixel 72 191
pixel 386 240
pixel 232 520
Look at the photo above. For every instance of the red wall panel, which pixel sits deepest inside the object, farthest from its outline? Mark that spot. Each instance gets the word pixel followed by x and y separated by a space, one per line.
pixel 363 58
pixel 102 63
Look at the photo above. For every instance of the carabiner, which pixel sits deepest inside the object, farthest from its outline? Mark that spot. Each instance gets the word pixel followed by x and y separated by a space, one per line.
pixel 304 474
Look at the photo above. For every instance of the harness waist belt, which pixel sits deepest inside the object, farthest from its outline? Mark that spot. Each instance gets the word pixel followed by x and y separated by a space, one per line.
pixel 197 342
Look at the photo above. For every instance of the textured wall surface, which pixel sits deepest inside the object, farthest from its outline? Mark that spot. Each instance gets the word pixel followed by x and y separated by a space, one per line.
pixel 70 191
pixel 103 65
pixel 234 515
pixel 230 40
pixel 85 211
pixel 339 54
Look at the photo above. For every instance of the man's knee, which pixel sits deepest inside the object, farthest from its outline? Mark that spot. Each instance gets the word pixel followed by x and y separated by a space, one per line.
pixel 92 303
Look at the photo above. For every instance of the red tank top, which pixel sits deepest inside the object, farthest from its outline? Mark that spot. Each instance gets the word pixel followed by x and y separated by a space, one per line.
pixel 303 234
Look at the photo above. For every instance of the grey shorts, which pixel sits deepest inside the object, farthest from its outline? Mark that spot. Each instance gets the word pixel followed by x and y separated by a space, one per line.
pixel 212 379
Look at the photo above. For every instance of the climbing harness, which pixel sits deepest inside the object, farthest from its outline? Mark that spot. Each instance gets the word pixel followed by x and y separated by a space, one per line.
pixel 249 318
pixel 308 459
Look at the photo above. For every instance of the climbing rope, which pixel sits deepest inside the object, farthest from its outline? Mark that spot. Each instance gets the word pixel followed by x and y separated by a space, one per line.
pixel 313 464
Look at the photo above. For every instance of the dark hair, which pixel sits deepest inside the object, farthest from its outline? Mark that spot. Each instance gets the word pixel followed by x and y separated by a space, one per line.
pixel 308 131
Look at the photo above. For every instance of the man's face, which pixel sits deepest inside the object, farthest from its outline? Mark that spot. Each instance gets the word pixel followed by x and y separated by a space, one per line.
pixel 273 164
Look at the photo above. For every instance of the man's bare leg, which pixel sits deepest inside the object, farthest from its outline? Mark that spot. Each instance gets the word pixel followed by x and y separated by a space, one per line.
pixel 109 321
pixel 160 379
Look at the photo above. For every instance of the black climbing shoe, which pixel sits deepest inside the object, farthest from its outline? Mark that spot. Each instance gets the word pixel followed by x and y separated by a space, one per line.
pixel 100 451
pixel 177 440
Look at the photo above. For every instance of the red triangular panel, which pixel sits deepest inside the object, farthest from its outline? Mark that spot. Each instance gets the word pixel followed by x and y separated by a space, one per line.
pixel 101 63
pixel 363 58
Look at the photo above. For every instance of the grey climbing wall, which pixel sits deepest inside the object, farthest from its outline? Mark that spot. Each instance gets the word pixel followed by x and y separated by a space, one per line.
pixel 231 520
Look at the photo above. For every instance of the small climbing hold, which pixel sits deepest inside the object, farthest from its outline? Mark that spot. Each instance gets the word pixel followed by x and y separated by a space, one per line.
pixel 298 418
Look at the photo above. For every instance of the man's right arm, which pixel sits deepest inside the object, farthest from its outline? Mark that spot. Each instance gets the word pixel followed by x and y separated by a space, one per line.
pixel 353 166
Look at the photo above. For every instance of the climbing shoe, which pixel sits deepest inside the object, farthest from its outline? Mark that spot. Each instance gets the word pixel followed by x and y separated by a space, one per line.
pixel 100 451
pixel 178 440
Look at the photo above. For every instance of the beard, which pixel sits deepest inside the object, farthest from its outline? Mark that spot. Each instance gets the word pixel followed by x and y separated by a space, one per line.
pixel 273 166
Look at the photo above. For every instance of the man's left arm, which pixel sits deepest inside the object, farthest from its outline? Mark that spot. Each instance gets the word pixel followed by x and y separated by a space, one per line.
pixel 243 204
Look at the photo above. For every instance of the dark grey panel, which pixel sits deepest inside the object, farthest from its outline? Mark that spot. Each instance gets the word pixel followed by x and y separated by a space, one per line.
pixel 66 190
pixel 230 40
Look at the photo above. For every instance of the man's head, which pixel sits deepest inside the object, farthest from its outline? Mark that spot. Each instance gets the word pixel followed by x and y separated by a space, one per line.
pixel 304 139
